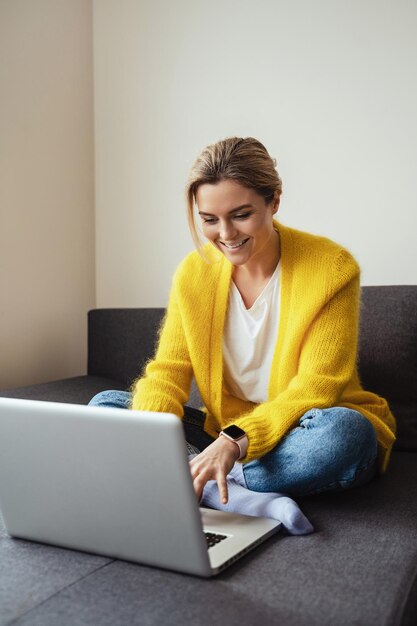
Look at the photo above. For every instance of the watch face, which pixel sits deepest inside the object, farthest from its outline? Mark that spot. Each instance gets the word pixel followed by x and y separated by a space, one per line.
pixel 234 432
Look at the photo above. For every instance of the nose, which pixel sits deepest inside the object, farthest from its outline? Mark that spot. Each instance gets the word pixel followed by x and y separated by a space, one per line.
pixel 227 230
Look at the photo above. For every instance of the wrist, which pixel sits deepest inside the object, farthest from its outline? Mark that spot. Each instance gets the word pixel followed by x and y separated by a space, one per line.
pixel 228 444
pixel 238 437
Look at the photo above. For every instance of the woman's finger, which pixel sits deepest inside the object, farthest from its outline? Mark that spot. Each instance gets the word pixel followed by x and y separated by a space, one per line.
pixel 199 482
pixel 222 485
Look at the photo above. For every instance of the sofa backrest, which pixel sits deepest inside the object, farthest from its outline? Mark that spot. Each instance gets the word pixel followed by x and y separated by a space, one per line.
pixel 388 353
pixel 121 341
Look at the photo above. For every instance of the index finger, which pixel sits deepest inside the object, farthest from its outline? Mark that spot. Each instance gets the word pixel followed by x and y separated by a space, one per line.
pixel 222 485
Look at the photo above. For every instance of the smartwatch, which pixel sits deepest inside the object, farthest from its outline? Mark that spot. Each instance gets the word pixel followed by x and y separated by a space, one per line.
pixel 238 436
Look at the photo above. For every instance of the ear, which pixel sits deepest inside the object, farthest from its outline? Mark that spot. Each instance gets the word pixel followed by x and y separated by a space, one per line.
pixel 275 203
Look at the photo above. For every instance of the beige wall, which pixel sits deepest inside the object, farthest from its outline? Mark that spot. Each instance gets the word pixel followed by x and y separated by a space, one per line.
pixel 329 87
pixel 47 279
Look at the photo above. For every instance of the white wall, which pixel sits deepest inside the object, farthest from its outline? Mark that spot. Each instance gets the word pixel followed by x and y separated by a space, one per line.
pixel 46 189
pixel 328 86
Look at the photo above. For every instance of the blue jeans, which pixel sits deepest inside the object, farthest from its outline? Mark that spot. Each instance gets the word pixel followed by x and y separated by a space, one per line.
pixel 330 450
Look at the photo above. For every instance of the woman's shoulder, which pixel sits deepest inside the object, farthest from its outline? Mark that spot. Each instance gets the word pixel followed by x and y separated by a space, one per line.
pixel 312 246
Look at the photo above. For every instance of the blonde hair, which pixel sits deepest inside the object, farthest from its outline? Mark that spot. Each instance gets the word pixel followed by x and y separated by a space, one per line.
pixel 245 161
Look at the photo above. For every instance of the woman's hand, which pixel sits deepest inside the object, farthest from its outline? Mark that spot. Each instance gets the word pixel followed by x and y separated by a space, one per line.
pixel 214 463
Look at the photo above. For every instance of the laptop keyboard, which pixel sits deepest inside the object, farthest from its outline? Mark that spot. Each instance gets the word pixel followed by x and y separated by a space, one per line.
pixel 213 539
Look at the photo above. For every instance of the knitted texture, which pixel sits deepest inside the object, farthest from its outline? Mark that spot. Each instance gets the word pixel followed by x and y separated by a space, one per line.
pixel 314 364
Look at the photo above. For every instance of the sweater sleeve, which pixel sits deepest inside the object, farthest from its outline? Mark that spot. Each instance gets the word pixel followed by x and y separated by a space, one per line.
pixel 165 385
pixel 326 363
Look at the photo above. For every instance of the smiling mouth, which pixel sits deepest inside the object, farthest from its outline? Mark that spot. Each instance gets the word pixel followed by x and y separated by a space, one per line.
pixel 235 246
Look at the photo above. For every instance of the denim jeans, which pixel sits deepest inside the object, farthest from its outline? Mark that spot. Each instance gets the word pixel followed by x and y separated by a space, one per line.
pixel 329 450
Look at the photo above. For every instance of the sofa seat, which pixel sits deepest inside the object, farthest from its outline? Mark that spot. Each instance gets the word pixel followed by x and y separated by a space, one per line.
pixel 76 390
pixel 357 568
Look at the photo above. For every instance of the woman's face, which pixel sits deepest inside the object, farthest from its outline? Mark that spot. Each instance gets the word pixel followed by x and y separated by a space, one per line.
pixel 237 221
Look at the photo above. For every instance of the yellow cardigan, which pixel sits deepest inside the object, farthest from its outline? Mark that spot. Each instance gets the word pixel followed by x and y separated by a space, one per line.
pixel 314 363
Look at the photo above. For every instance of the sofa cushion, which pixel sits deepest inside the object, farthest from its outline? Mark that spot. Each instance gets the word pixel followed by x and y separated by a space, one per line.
pixel 32 573
pixel 359 567
pixel 77 390
pixel 388 353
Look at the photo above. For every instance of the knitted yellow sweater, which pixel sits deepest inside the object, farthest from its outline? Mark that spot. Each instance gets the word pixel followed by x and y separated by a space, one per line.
pixel 314 363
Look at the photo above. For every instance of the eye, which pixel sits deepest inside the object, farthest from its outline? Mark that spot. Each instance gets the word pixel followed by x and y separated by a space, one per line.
pixel 209 220
pixel 242 216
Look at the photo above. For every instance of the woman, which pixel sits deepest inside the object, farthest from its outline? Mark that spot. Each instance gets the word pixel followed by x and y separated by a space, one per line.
pixel 265 318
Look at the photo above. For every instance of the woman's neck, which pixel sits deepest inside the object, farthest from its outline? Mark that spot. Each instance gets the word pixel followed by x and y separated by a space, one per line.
pixel 251 278
pixel 260 268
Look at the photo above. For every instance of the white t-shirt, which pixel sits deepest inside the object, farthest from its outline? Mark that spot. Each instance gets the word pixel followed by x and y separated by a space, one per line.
pixel 249 341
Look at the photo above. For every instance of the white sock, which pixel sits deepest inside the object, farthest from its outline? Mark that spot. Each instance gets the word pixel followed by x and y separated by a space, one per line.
pixel 258 504
pixel 237 473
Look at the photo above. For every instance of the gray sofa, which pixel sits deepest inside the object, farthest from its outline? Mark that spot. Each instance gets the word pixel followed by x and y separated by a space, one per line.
pixel 358 568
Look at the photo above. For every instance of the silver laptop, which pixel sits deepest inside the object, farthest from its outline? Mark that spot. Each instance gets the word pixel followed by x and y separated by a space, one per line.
pixel 116 483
